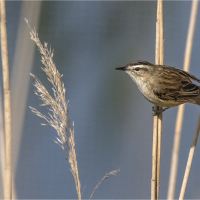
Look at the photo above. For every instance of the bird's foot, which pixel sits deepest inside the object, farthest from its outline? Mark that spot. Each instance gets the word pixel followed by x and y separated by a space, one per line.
pixel 157 112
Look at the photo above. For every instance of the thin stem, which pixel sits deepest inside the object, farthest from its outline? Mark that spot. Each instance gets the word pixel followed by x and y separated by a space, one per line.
pixel 175 152
pixel 191 29
pixel 154 160
pixel 114 172
pixel 159 152
pixel 157 129
pixel 161 57
pixel 180 114
pixel 20 76
pixel 7 104
pixel 189 162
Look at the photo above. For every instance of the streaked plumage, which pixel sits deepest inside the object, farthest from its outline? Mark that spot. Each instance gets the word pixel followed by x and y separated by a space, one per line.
pixel 163 85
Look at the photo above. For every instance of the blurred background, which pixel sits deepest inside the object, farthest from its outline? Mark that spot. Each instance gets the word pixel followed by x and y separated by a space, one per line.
pixel 113 122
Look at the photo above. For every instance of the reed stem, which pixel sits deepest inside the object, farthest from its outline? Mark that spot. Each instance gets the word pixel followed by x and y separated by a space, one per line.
pixel 189 162
pixel 157 127
pixel 180 113
pixel 7 104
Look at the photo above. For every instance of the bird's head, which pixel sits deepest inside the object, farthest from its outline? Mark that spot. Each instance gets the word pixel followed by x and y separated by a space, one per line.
pixel 138 70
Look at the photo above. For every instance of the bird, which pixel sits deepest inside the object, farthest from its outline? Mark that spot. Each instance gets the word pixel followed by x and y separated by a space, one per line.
pixel 163 85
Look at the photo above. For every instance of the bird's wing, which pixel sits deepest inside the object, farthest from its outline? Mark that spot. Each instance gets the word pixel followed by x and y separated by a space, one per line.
pixel 188 75
pixel 183 90
pixel 177 87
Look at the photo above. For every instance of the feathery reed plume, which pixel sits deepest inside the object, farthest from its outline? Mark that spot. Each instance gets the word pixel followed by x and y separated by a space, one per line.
pixel 58 117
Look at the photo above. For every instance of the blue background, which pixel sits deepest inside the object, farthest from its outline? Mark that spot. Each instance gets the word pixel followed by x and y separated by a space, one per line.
pixel 113 122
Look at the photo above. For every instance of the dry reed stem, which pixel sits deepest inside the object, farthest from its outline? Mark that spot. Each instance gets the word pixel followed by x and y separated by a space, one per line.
pixel 154 160
pixel 2 142
pixel 157 127
pixel 191 29
pixel 161 58
pixel 180 113
pixel 7 104
pixel 159 152
pixel 58 116
pixel 189 162
pixel 175 152
pixel 114 172
pixel 19 77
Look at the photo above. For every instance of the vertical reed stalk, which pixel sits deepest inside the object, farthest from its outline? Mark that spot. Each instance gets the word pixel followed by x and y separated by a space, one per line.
pixel 7 103
pixel 20 75
pixel 157 127
pixel 189 162
pixel 180 114
pixel 154 160
pixel 161 57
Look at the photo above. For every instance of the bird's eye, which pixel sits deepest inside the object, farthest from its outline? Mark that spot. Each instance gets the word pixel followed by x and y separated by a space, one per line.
pixel 137 69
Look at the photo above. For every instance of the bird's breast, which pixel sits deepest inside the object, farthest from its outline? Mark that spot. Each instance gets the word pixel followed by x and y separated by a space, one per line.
pixel 147 88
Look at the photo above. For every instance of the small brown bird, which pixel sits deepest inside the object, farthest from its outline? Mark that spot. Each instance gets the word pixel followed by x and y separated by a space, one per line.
pixel 163 85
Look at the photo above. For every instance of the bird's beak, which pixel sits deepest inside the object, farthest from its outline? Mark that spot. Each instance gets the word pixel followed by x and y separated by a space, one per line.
pixel 121 68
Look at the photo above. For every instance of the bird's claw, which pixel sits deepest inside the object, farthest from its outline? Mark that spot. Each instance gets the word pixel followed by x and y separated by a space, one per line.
pixel 157 112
